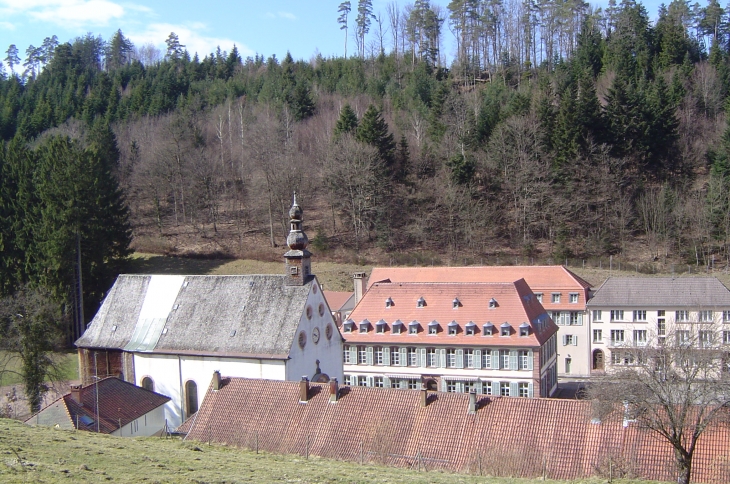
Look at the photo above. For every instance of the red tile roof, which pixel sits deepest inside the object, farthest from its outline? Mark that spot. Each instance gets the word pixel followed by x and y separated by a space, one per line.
pixel 336 299
pixel 506 436
pixel 514 302
pixel 119 402
pixel 543 279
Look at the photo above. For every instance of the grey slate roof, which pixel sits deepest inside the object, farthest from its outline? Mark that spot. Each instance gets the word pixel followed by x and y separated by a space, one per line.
pixel 661 292
pixel 245 315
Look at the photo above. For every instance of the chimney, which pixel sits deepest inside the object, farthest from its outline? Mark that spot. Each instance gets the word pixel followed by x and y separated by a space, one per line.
pixel 76 394
pixel 303 390
pixel 472 403
pixel 359 279
pixel 216 380
pixel 424 397
pixel 334 389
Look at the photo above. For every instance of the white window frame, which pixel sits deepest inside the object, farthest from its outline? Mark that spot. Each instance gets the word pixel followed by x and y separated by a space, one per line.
pixel 523 389
pixel 504 389
pixel 706 316
pixel 615 333
pixel 640 336
pixel 597 315
pixel 573 297
pixel 432 357
pixel 394 356
pixel 538 295
pixel 450 358
pixel 469 358
pixel 412 356
pixel 379 355
pixel 523 359
pixel 681 316
pixel 640 315
pixel 617 315
pixel 346 354
pixel 598 336
pixel 706 338
pixel 555 298
pixel 362 355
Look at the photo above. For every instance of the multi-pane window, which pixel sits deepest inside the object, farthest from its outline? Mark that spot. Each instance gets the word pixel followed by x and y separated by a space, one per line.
pixel 597 315
pixel 706 338
pixel 470 329
pixel 395 356
pixel 350 380
pixel 346 354
pixel 597 335
pixel 726 316
pixel 570 339
pixel 555 298
pixel 524 389
pixel 380 327
pixel 486 358
pixel 707 316
pixel 683 337
pixel 726 337
pixel 617 315
pixel 661 327
pixel 432 357
pixel 433 328
pixel 412 356
pixel 574 298
pixel 504 389
pixel 469 358
pixel 639 337
pixel 575 318
pixel 504 356
pixel 556 317
pixel 364 327
pixel 379 382
pixel 640 315
pixel 523 358
pixel 413 328
pixel 362 355
pixel 452 386
pixel 505 331
pixel 451 358
pixel 617 336
pixel 453 329
pixel 379 355
pixel 362 381
pixel 396 329
pixel 414 384
pixel 469 387
pixel 681 316
pixel 538 296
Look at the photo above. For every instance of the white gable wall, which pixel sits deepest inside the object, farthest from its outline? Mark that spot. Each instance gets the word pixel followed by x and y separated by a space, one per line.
pixel 146 425
pixel 171 372
pixel 303 361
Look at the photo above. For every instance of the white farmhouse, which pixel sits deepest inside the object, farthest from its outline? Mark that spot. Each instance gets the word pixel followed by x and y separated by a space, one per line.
pixel 629 312
pixel 170 333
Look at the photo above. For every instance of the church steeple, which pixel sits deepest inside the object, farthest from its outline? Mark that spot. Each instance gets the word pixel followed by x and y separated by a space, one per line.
pixel 298 263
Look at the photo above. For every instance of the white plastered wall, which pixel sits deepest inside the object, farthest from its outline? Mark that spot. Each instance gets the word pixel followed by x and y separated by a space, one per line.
pixel 145 426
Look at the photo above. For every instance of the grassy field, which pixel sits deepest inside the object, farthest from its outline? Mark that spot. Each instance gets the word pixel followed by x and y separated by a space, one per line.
pixel 44 455
pixel 67 364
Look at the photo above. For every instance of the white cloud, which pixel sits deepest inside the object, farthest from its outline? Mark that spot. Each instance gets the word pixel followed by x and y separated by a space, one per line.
pixel 67 12
pixel 7 26
pixel 190 36
pixel 287 15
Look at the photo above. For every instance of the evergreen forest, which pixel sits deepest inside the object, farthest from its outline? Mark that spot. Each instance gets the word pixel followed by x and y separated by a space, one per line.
pixel 554 130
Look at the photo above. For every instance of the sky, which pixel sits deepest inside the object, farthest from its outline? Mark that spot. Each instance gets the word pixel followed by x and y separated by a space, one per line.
pixel 304 27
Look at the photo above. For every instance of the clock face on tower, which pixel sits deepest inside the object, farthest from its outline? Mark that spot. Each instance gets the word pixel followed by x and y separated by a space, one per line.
pixel 315 335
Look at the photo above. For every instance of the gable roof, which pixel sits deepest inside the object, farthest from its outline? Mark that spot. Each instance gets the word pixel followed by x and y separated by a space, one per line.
pixel 519 437
pixel 337 300
pixel 118 402
pixel 514 304
pixel 664 292
pixel 241 315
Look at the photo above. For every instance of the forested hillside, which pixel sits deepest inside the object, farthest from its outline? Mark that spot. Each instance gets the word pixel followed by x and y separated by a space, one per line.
pixel 555 131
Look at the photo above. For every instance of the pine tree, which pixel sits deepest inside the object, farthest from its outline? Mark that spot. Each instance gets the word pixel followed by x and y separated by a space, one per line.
pixel 373 130
pixel 347 122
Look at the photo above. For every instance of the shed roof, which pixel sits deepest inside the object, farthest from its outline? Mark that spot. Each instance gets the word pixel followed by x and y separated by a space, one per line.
pixel 236 315
pixel 663 292
pixel 115 401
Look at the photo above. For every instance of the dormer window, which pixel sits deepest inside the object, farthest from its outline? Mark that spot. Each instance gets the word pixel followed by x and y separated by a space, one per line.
pixel 453 328
pixel 413 327
pixel 524 329
pixel 455 303
pixel 397 327
pixel 364 326
pixel 538 295
pixel 492 303
pixel 421 302
pixel 348 326
pixel 380 326
pixel 488 329
pixel 470 329
pixel 389 303
pixel 433 327
pixel 505 329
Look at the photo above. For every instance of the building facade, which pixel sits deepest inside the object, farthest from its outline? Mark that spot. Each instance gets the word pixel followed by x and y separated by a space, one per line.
pixel 562 293
pixel 636 312
pixel 170 333
pixel 488 338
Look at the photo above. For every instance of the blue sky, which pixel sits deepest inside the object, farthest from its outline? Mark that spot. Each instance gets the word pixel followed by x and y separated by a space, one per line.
pixel 263 27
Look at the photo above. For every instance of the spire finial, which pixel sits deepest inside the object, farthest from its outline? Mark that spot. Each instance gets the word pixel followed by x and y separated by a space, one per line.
pixel 295 198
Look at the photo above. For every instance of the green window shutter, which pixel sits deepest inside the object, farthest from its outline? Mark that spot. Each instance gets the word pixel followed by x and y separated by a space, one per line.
pixel 477 358
pixel 530 357
pixel 370 381
pixel 460 358
pixel 386 356
pixel 580 319
pixel 404 357
pixel 496 363
pixel 575 340
pixel 513 360
pixel 495 388
pixel 369 356
pixel 442 358
pixel 529 389
pixel 353 355
pixel 443 384
pixel 403 384
pixel 478 387
pixel 422 357
pixel 386 382
pixel 513 389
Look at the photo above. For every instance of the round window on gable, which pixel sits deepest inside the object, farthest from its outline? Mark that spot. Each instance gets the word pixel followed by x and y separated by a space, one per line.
pixel 309 312
pixel 328 331
pixel 314 288
pixel 302 339
pixel 321 309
